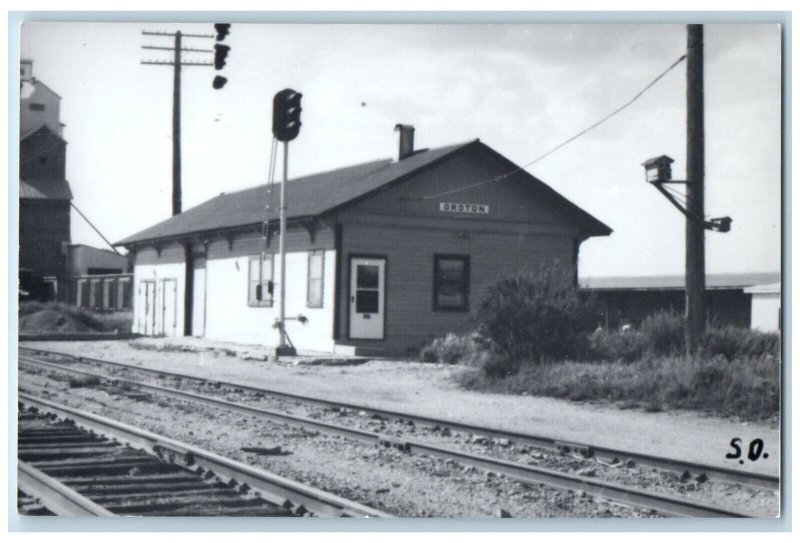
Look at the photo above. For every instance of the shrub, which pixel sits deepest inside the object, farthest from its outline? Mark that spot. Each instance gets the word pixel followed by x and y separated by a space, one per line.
pixel 731 342
pixel 535 316
pixel 663 333
pixel 450 349
pixel 614 345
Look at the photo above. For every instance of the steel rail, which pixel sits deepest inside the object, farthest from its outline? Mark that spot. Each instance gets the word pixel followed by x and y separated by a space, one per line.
pixel 272 487
pixel 663 503
pixel 58 498
pixel 718 473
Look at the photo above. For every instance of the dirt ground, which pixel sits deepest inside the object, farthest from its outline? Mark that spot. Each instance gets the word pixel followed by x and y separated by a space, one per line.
pixel 430 390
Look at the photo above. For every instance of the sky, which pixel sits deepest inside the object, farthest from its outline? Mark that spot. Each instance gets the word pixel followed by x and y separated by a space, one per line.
pixel 521 89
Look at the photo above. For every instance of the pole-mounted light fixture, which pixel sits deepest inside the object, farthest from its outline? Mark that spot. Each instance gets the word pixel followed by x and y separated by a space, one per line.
pixel 658 172
pixel 658 169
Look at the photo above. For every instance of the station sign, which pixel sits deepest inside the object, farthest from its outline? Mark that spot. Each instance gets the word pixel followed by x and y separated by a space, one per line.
pixel 478 209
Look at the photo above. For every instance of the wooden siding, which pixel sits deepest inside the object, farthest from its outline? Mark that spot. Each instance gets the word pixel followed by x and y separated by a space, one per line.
pixel 43 155
pixel 173 253
pixel 249 243
pixel 44 232
pixel 410 319
pixel 524 228
pixel 514 198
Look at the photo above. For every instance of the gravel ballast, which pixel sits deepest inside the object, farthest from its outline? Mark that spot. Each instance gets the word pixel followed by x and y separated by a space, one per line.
pixel 434 487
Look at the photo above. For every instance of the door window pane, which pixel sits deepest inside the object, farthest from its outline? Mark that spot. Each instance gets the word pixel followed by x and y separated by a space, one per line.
pixel 367 276
pixel 367 301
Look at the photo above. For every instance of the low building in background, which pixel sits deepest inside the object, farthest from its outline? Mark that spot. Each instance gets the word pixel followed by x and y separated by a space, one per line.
pixel 99 279
pixel 731 298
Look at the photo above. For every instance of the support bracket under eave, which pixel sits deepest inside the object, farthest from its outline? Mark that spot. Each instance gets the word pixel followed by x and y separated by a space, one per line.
pixel 229 239
pixel 311 226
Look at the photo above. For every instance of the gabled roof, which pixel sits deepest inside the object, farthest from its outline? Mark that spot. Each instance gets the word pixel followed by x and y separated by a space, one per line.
pixel 44 189
pixel 314 195
pixel 678 282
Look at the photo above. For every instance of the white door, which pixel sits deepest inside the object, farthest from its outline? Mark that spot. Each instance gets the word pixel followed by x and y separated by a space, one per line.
pixel 168 308
pixel 199 298
pixel 367 297
pixel 147 302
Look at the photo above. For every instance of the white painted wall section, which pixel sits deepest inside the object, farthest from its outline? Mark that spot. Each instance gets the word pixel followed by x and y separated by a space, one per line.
pixel 230 318
pixel 156 273
pixel 765 312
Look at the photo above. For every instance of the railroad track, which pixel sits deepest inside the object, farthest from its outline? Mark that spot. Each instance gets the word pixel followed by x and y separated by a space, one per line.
pixel 662 503
pixel 609 455
pixel 77 463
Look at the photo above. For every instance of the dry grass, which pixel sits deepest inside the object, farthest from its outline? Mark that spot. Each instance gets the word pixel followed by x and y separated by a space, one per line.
pixel 744 387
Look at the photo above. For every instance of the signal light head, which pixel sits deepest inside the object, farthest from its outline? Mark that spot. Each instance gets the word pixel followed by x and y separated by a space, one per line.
pixel 220 54
pixel 286 114
pixel 219 82
pixel 223 29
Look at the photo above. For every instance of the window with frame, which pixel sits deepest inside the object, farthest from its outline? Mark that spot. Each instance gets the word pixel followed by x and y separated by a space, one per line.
pixel 316 274
pixel 260 275
pixel 451 283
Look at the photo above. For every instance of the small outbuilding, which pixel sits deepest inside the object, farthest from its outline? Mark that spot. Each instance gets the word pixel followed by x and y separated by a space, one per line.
pixel 381 257
pixel 765 304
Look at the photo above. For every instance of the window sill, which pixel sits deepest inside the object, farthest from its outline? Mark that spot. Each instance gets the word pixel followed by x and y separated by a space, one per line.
pixel 451 309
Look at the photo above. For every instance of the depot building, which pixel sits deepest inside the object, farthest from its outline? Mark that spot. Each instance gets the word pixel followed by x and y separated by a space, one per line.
pixel 381 257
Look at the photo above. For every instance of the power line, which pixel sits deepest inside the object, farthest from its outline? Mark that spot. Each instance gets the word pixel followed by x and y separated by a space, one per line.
pixel 99 233
pixel 570 140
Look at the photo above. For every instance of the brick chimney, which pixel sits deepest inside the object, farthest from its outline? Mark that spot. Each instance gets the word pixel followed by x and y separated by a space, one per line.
pixel 404 147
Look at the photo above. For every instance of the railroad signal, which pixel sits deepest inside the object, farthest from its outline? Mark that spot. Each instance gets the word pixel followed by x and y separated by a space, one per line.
pixel 220 54
pixel 223 29
pixel 286 115
pixel 219 82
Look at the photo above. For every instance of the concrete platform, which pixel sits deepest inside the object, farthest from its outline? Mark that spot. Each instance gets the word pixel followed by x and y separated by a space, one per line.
pixel 264 353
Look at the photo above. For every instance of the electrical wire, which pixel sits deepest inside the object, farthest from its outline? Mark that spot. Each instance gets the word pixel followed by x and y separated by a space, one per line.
pixel 267 207
pixel 570 140
pixel 99 233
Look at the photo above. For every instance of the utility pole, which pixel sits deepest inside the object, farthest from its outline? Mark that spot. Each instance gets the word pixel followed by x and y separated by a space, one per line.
pixel 658 172
pixel 695 174
pixel 176 128
pixel 177 63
